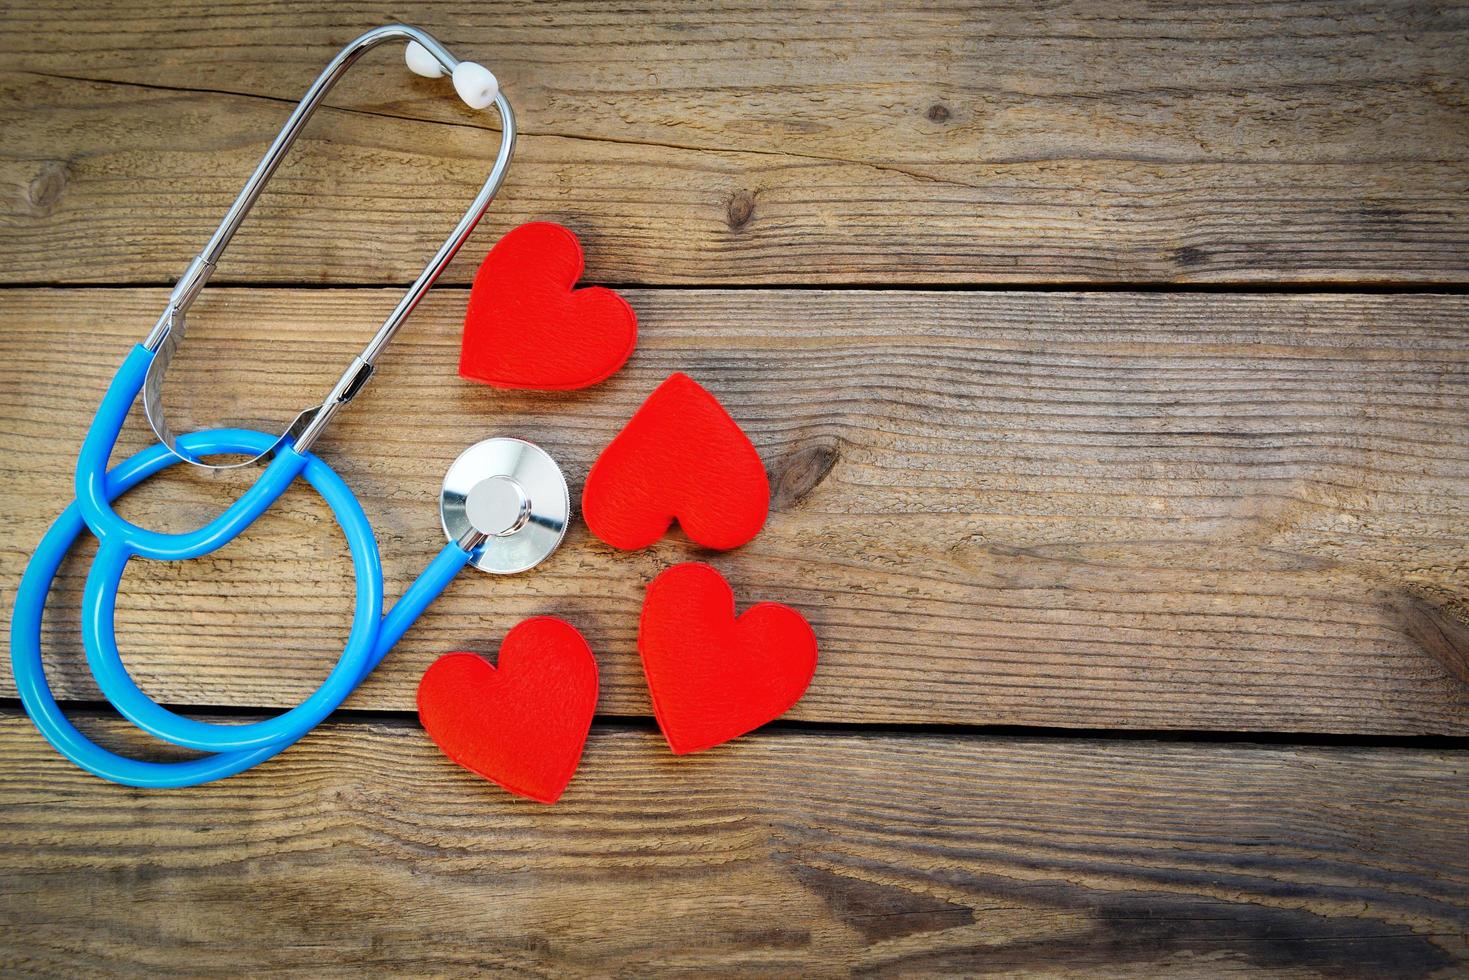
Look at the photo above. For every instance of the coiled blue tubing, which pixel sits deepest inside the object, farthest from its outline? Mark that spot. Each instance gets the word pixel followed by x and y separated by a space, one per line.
pixel 232 748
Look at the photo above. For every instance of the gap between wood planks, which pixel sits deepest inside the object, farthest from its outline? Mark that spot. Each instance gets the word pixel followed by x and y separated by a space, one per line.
pixel 1296 288
pixel 643 723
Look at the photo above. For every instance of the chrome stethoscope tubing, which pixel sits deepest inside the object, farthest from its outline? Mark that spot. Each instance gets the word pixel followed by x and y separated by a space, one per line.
pixel 426 56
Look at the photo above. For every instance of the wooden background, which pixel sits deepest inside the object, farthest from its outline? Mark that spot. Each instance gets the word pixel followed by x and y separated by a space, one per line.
pixel 1111 365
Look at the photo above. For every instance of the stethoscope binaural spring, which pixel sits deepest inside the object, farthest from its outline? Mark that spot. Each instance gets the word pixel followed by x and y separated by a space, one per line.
pixel 504 505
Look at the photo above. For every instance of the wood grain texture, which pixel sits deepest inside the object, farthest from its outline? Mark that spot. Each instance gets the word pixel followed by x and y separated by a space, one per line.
pixel 1080 510
pixel 879 142
pixel 787 854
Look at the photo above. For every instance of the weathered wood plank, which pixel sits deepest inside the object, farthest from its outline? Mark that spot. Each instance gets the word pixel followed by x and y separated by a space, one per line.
pixel 813 853
pixel 1086 510
pixel 1087 141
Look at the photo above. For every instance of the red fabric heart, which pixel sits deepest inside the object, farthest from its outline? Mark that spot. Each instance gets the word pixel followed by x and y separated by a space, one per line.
pixel 522 724
pixel 712 676
pixel 527 328
pixel 679 457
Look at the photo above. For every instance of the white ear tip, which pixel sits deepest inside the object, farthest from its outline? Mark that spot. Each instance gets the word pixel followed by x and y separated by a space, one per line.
pixel 420 62
pixel 475 84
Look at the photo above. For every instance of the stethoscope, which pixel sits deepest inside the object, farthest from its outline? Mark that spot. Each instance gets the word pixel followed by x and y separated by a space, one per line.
pixel 504 503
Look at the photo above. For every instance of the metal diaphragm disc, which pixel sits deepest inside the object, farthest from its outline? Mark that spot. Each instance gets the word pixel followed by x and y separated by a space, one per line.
pixel 513 492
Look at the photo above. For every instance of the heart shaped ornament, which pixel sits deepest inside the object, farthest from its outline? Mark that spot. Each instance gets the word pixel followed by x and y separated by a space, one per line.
pixel 714 676
pixel 680 457
pixel 521 724
pixel 527 327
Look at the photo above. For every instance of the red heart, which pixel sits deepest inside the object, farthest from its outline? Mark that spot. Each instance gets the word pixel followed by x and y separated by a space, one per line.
pixel 527 328
pixel 522 724
pixel 712 676
pixel 679 457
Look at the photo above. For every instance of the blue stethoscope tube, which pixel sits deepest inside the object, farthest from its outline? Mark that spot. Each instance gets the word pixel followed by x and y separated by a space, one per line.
pixel 233 748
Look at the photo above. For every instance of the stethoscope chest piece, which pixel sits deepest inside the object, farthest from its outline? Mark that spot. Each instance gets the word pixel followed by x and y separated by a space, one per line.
pixel 506 502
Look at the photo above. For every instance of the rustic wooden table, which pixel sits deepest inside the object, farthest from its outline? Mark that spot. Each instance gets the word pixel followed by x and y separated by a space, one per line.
pixel 1111 364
